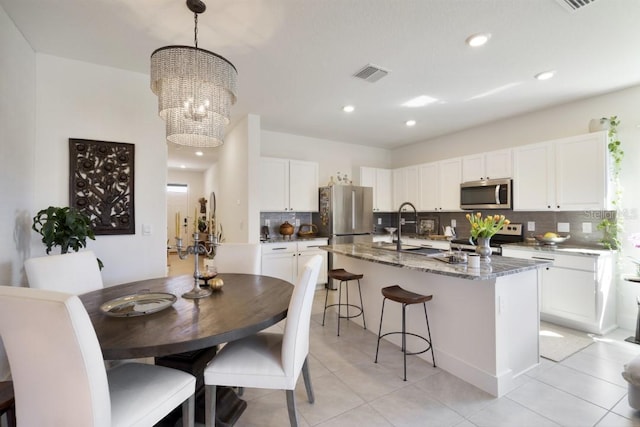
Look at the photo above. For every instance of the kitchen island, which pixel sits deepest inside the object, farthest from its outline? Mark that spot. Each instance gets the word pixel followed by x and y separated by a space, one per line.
pixel 484 322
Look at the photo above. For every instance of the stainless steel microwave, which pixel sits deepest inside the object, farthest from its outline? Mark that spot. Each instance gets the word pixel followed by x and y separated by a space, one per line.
pixel 487 194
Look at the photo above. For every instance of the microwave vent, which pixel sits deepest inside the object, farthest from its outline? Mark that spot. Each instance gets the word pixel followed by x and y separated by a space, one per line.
pixel 574 5
pixel 371 73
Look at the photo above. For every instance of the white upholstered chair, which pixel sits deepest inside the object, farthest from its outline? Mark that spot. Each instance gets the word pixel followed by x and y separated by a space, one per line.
pixel 58 373
pixel 75 272
pixel 269 360
pixel 238 258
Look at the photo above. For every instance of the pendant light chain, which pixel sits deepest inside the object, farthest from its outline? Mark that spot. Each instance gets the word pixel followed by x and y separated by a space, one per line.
pixel 195 30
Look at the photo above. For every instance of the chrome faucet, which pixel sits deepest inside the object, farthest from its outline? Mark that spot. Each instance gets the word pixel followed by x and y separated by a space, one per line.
pixel 399 246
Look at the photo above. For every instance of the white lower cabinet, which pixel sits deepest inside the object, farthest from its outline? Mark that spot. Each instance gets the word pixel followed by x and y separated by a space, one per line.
pixel 285 260
pixel 578 291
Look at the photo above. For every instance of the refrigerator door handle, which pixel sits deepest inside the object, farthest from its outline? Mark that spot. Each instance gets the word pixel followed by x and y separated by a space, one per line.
pixel 353 209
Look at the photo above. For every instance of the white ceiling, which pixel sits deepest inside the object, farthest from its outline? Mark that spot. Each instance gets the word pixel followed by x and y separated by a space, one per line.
pixel 296 58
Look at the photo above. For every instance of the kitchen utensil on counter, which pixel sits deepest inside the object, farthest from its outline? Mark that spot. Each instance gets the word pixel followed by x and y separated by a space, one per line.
pixel 448 231
pixel 390 230
pixel 307 230
pixel 473 260
pixel 551 238
pixel 286 229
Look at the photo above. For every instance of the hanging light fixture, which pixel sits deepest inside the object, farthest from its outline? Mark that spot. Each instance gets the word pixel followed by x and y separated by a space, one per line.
pixel 196 89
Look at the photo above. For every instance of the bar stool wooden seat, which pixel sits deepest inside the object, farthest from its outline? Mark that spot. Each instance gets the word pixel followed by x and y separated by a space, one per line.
pixel 344 277
pixel 404 297
pixel 7 402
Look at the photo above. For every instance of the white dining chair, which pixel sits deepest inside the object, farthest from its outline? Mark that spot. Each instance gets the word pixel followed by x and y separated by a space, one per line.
pixel 58 373
pixel 238 258
pixel 75 273
pixel 269 360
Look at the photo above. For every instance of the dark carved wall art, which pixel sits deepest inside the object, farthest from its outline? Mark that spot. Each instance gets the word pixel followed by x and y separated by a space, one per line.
pixel 101 184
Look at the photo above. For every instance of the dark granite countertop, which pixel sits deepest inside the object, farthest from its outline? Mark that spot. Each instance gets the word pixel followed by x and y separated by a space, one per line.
pixel 499 266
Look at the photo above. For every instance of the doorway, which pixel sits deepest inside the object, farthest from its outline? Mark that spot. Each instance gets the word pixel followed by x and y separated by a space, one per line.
pixel 177 205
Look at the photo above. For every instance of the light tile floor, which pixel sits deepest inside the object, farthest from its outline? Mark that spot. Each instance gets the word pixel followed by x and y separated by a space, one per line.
pixel 586 389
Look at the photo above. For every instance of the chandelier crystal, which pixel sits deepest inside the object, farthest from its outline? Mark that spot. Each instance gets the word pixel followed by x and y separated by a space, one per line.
pixel 196 89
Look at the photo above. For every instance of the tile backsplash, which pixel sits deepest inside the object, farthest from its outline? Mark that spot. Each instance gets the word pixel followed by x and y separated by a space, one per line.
pixel 543 221
pixel 278 218
pixel 577 222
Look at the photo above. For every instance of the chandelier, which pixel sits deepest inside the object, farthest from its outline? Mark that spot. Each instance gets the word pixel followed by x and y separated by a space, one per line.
pixel 196 89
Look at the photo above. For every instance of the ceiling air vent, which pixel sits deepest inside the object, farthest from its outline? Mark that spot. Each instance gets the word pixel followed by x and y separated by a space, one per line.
pixel 371 73
pixel 573 5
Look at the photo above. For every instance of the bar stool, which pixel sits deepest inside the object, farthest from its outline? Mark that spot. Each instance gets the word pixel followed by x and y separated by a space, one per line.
pixel 7 402
pixel 404 297
pixel 344 276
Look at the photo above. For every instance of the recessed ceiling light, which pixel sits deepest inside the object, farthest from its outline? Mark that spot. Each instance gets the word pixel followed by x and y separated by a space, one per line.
pixel 199 153
pixel 419 101
pixel 183 167
pixel 348 108
pixel 479 39
pixel 410 123
pixel 545 75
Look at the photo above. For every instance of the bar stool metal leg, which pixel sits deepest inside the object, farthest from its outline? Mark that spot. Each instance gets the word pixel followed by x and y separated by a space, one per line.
pixel 426 316
pixel 364 322
pixel 340 303
pixel 380 330
pixel 326 299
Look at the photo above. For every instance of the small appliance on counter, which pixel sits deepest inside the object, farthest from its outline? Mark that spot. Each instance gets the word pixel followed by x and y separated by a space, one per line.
pixel 264 233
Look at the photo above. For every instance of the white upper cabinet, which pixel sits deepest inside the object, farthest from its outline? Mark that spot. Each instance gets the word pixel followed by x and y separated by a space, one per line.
pixel 582 173
pixel 381 182
pixel 533 177
pixel 439 185
pixel 568 174
pixel 405 186
pixel 288 185
pixel 450 177
pixel 492 165
pixel 303 186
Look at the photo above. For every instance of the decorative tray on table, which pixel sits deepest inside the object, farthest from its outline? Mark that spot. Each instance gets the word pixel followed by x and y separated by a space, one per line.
pixel 138 304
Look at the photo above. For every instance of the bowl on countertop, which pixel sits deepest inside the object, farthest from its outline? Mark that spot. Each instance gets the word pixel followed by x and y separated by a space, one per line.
pixel 552 240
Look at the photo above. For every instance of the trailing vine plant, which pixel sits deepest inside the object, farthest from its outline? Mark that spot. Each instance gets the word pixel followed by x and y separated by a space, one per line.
pixel 613 228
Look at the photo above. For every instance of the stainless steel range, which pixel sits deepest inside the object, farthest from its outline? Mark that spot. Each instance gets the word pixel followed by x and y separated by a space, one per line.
pixel 511 233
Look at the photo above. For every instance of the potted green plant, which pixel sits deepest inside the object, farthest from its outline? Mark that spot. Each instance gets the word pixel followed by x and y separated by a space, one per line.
pixel 613 229
pixel 65 227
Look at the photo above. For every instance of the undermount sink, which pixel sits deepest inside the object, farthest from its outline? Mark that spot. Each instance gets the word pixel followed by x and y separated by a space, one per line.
pixel 418 250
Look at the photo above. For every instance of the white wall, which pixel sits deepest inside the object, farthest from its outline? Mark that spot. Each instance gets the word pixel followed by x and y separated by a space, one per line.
pixel 332 156
pixel 17 146
pixel 80 100
pixel 557 122
pixel 237 179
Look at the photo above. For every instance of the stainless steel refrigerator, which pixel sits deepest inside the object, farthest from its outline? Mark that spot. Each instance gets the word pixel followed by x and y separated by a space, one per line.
pixel 346 216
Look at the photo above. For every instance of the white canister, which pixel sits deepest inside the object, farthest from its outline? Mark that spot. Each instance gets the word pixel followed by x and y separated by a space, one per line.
pixel 473 260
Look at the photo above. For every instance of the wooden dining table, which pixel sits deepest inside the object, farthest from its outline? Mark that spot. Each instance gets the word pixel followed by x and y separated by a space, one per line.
pixel 245 305
pixel 186 334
